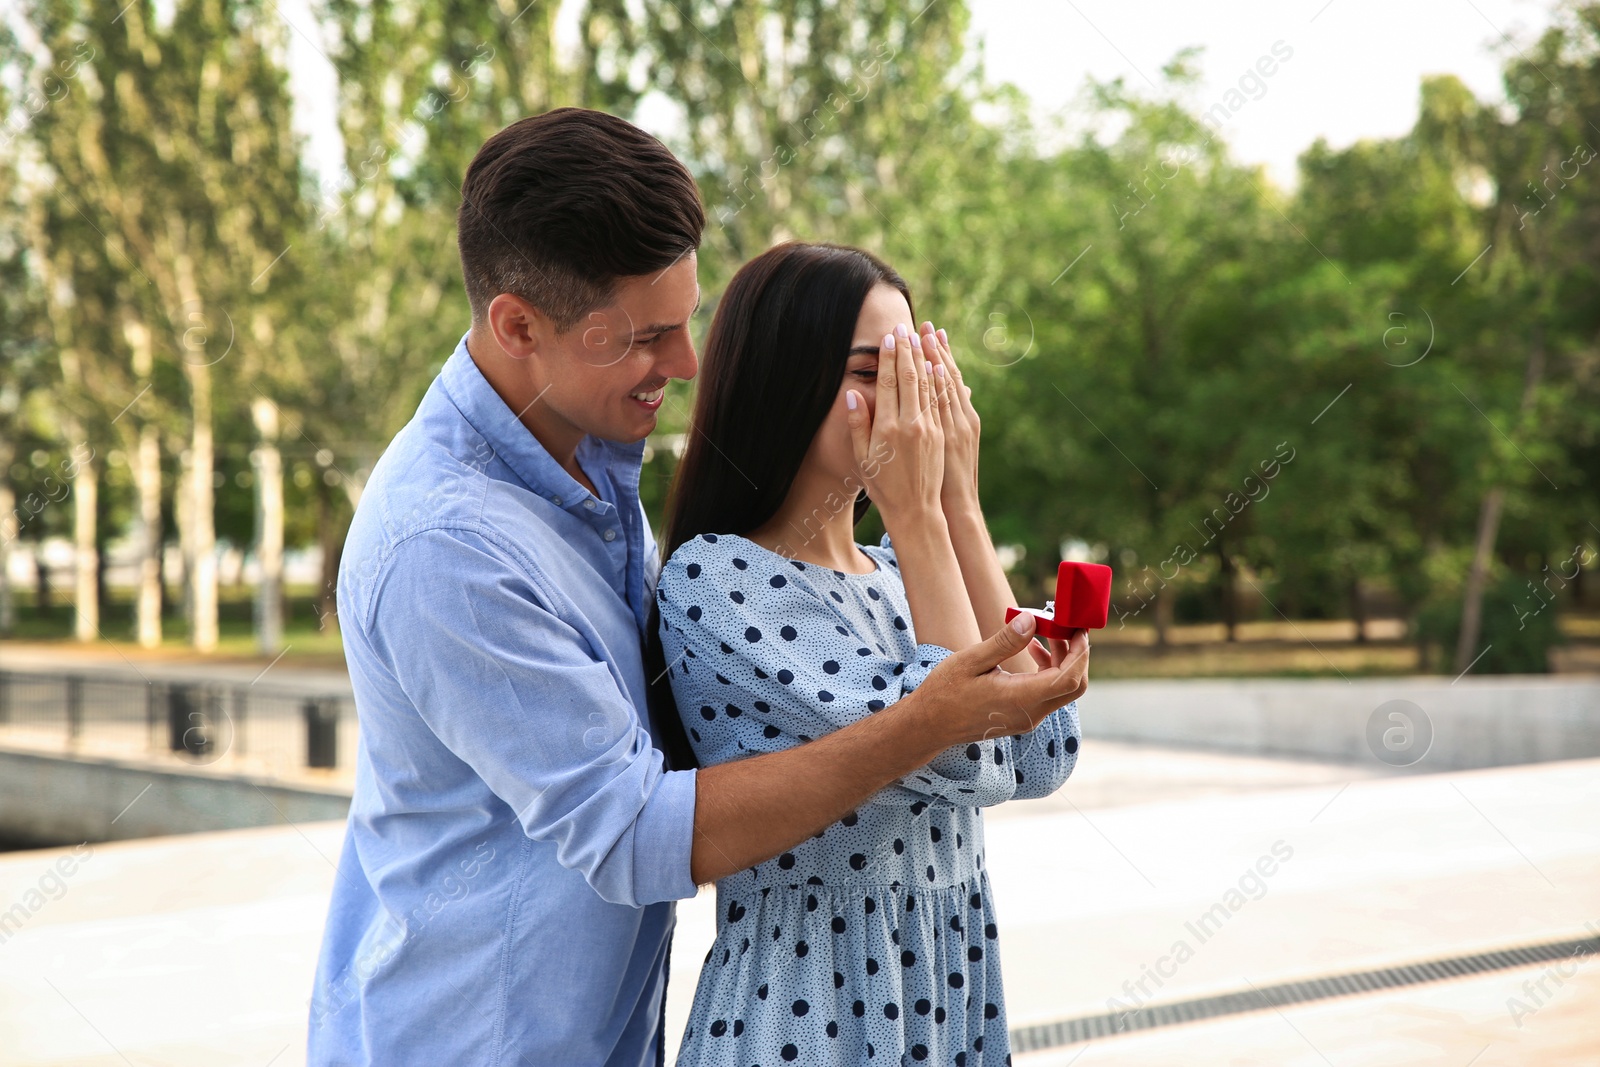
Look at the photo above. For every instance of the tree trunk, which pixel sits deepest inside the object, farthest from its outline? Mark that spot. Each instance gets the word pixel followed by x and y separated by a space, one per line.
pixel 8 535
pixel 1489 524
pixel 1477 578
pixel 1164 598
pixel 147 482
pixel 86 559
pixel 201 566
pixel 268 464
pixel 183 508
pixel 161 570
pixel 328 537
pixel 1230 607
pixel 203 540
pixel 102 557
pixel 41 581
pixel 1358 610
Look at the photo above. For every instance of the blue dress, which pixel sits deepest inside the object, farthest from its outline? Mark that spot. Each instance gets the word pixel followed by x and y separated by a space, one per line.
pixel 874 939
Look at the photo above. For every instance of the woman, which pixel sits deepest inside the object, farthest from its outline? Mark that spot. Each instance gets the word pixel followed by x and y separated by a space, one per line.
pixel 875 938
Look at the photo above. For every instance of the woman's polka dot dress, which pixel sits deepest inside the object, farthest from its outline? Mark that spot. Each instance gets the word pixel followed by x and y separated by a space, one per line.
pixel 875 939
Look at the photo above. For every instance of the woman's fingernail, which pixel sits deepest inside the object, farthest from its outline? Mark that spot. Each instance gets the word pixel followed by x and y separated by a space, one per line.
pixel 942 337
pixel 888 340
pixel 850 400
pixel 900 330
pixel 939 371
pixel 916 341
pixel 927 366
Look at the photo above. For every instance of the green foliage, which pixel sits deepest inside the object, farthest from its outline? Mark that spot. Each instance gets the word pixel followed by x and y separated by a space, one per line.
pixel 1206 378
pixel 1519 629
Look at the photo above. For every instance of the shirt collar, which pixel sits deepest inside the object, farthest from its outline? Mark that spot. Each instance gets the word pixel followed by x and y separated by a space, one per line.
pixel 514 445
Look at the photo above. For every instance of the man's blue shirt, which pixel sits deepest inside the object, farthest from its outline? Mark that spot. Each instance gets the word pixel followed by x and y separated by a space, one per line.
pixel 515 841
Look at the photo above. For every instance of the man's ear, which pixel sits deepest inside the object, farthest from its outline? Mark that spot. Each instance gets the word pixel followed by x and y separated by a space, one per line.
pixel 518 327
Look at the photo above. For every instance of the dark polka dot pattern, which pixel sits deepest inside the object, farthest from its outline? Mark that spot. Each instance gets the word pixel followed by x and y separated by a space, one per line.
pixel 880 936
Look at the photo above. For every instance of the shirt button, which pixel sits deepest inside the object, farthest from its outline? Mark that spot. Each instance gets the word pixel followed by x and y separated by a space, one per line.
pixel 611 535
pixel 589 504
pixel 556 500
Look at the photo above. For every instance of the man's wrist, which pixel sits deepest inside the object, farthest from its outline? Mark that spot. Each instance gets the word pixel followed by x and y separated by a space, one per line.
pixel 925 718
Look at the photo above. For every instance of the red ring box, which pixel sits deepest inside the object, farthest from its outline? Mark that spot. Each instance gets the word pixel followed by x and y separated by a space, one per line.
pixel 1083 601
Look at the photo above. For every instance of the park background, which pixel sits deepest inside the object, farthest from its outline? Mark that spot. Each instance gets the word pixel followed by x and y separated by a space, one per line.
pixel 1366 397
pixel 1297 331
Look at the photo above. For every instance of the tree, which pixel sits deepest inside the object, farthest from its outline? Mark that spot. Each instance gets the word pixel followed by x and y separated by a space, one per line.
pixel 1142 264
pixel 170 190
pixel 853 123
pixel 26 372
pixel 422 84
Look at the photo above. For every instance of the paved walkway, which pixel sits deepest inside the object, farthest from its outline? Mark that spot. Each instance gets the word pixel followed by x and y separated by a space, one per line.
pixel 1117 774
pixel 199 949
pixel 1094 902
pixel 1461 1023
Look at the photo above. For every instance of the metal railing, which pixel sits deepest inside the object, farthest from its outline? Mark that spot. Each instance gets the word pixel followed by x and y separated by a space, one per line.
pixel 229 726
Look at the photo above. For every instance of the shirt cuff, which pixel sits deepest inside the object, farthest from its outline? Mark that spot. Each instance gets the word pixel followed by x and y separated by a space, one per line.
pixel 923 661
pixel 663 840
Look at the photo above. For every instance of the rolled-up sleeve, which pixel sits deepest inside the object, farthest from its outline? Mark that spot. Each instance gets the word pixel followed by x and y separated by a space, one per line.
pixel 518 694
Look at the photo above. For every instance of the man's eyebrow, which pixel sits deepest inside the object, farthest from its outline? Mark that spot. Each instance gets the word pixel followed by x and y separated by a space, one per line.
pixel 668 327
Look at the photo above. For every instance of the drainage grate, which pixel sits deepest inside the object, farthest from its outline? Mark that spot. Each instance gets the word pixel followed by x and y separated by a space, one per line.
pixel 1088 1027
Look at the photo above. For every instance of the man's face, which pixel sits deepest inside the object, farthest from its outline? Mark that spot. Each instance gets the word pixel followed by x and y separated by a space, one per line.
pixel 606 375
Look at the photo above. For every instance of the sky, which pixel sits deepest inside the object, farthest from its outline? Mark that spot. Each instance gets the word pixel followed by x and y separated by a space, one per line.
pixel 1353 70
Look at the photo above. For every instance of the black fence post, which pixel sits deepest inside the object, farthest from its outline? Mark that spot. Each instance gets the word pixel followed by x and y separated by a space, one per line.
pixel 5 697
pixel 191 714
pixel 150 716
pixel 194 715
pixel 74 708
pixel 212 720
pixel 241 704
pixel 179 708
pixel 322 731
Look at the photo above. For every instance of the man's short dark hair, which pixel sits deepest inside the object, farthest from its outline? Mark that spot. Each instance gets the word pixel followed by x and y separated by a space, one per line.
pixel 555 208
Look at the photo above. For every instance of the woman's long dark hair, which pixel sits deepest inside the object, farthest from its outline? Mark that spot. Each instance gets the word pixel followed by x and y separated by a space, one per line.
pixel 779 343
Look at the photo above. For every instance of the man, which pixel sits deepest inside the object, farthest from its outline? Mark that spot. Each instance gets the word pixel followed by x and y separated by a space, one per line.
pixel 516 841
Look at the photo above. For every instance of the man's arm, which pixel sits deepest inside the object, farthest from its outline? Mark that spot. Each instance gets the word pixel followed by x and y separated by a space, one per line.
pixel 516 693
pixel 749 810
pixel 512 691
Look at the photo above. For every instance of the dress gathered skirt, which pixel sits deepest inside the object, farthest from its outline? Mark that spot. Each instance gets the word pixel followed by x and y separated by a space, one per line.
pixel 875 940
